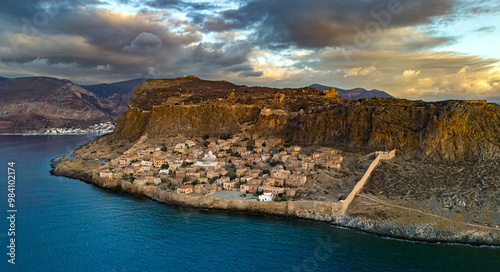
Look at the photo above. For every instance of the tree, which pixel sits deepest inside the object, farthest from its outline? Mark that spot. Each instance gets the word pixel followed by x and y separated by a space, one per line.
pixel 164 148
pixel 195 182
pixel 274 163
pixel 250 144
pixel 165 166
pixel 233 175
pixel 205 137
pixel 265 171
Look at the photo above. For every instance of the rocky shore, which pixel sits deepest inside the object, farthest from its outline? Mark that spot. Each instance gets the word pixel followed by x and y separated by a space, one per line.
pixel 312 210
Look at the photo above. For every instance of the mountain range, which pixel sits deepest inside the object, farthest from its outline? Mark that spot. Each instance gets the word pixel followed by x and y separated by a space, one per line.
pixel 35 103
pixel 353 94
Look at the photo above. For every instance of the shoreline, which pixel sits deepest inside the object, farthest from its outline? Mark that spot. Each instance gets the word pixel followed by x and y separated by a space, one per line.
pixel 302 209
pixel 43 134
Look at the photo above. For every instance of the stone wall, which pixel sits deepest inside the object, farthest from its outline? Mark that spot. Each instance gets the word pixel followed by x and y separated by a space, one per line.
pixel 380 156
pixel 315 210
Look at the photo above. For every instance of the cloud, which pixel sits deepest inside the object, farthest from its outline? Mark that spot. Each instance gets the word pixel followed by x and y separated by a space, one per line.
pixel 359 71
pixel 486 29
pixel 251 74
pixel 37 62
pixel 63 65
pixel 316 23
pixel 410 73
pixel 341 43
pixel 144 43
pixel 102 67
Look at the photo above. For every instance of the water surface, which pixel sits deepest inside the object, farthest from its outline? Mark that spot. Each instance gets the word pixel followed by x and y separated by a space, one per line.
pixel 68 225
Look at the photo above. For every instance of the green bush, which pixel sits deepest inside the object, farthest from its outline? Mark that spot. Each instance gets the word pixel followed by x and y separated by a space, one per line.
pixel 233 175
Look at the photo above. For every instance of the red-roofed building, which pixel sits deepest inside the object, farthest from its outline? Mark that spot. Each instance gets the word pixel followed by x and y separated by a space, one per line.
pixel 186 189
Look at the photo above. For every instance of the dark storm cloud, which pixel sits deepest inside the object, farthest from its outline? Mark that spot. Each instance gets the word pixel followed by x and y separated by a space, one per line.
pixel 215 55
pixel 180 5
pixel 92 41
pixel 217 25
pixel 239 68
pixel 316 23
pixel 245 70
pixel 251 74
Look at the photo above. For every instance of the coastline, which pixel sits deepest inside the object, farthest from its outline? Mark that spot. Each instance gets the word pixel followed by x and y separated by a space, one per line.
pixel 302 209
pixel 48 134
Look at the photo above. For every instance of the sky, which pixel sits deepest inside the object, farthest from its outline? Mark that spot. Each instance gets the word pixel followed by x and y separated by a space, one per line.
pixel 425 49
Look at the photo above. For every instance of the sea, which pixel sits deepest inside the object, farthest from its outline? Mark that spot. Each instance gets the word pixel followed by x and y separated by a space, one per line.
pixel 63 224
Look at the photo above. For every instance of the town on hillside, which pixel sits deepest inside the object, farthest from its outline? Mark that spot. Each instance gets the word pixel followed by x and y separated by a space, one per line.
pixel 255 169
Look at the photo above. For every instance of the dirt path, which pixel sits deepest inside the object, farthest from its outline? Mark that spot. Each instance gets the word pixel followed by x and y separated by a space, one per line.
pixel 421 212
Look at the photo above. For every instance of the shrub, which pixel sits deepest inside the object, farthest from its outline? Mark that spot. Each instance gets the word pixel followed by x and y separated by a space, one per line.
pixel 274 163
pixel 233 175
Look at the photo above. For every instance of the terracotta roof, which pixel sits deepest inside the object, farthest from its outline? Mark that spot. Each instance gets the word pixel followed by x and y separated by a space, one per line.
pixel 186 187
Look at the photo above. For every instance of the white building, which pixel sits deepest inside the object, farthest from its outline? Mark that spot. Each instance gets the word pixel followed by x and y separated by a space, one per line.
pixel 148 163
pixel 266 196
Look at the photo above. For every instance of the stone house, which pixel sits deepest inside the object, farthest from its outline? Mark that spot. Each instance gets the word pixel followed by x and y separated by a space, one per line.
pixel 106 173
pixel 157 162
pixel 250 187
pixel 223 180
pixel 228 186
pixel 279 172
pixel 241 171
pixel 290 192
pixel 296 180
pixel 185 189
pixel 272 189
pixel 180 148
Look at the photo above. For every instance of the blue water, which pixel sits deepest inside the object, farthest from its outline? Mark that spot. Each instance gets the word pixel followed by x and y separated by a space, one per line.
pixel 67 225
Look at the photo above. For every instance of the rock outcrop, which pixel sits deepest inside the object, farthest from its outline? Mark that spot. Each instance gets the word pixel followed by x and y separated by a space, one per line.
pixel 442 131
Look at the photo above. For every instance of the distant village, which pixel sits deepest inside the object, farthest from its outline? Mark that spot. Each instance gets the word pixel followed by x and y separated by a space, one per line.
pixel 267 169
pixel 99 129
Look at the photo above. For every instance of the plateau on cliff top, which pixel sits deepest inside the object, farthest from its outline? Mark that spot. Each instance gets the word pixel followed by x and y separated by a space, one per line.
pixel 453 130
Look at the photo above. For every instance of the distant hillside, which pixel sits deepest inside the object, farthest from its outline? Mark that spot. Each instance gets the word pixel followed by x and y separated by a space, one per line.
pixel 3 78
pixel 353 94
pixel 118 93
pixel 33 103
pixel 110 89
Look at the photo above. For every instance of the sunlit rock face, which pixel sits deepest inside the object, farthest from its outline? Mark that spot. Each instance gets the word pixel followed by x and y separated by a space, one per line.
pixel 446 130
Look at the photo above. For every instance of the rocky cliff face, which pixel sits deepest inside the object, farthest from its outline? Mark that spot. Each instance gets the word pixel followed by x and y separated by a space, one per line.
pixel 449 130
pixel 445 131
